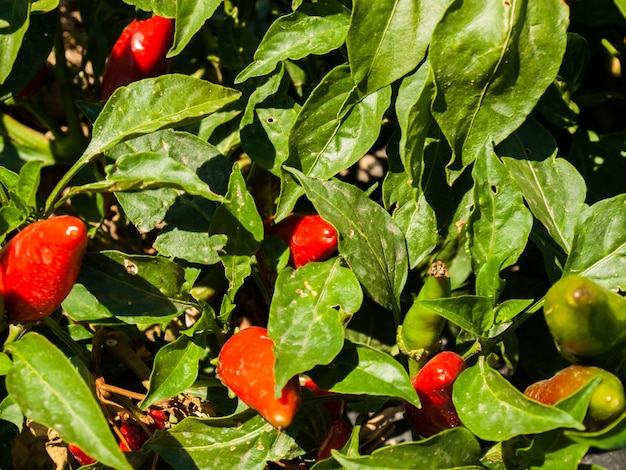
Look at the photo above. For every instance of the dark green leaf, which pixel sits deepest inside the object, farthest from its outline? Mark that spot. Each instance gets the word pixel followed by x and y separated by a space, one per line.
pixel 414 118
pixel 362 370
pixel 155 103
pixel 551 450
pixel 158 170
pixel 453 448
pixel 150 207
pixel 49 390
pixel 133 288
pixel 494 410
pixel 165 8
pixel 14 20
pixel 240 221
pixel 611 437
pixel 472 313
pixel 315 28
pixel 599 245
pixel 492 61
pixel 307 315
pixel 382 32
pixel 552 188
pixel 219 443
pixel 175 369
pixel 369 239
pixel 332 132
pixel 499 225
pixel 190 17
pixel 191 246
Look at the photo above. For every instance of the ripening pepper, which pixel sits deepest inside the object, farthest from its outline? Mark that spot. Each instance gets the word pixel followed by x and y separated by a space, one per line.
pixel 310 238
pixel 246 367
pixel 80 456
pixel 140 52
pixel 39 266
pixel 433 384
pixel 419 336
pixel 585 319
pixel 607 401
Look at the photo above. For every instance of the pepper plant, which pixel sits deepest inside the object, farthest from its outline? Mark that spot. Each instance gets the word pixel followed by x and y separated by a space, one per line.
pixel 498 130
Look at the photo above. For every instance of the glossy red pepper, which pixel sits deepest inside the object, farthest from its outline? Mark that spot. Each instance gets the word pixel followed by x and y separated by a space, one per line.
pixel 140 52
pixel 246 365
pixel 310 238
pixel 80 456
pixel 39 266
pixel 433 384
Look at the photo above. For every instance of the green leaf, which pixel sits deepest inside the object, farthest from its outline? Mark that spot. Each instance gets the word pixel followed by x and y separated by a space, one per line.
pixel 220 443
pixel 11 413
pixel 453 448
pixel 332 132
pixel 380 35
pixel 315 28
pixel 552 188
pixel 190 246
pixel 151 104
pixel 551 450
pixel 369 239
pixel 152 206
pixel 599 245
pixel 51 391
pixel 307 316
pixel 14 21
pixel 413 214
pixel 175 368
pixel 499 225
pixel 363 370
pixel 239 220
pixel 165 8
pixel 134 288
pixel 472 313
pixel 494 410
pixel 190 17
pixel 414 118
pixel 611 437
pixel 492 61
pixel 156 170
pixel 5 363
pixel 10 219
pixel 28 183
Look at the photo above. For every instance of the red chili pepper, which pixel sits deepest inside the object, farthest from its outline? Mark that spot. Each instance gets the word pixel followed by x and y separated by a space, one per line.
pixel 39 266
pixel 338 435
pixel 140 52
pixel 433 384
pixel 135 435
pixel 246 365
pixel 80 456
pixel 310 238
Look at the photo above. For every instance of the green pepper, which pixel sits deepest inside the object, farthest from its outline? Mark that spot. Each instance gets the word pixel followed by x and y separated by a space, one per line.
pixel 419 336
pixel 586 320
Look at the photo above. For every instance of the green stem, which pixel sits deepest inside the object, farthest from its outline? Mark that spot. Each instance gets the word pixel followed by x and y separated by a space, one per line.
pixel 67 177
